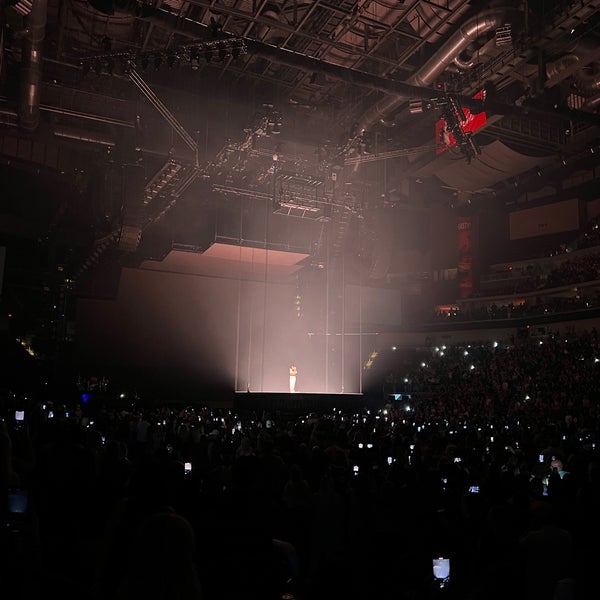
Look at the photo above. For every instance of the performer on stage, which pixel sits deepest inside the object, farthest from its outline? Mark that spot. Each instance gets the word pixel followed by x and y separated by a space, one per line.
pixel 293 373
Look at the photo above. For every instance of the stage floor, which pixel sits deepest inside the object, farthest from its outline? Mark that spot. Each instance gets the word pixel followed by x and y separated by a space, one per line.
pixel 298 402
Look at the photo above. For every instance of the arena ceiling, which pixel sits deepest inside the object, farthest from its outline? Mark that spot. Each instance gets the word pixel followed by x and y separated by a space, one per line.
pixel 115 114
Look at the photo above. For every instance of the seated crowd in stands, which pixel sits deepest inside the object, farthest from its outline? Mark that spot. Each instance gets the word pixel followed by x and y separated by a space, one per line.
pixel 490 462
pixel 527 308
pixel 578 268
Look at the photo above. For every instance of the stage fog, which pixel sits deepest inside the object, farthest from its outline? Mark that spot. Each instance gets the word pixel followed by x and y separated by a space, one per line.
pixel 227 321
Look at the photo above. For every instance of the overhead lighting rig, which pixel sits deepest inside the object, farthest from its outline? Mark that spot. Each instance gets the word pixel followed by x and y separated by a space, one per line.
pixel 302 196
pixel 358 142
pixel 192 54
pixel 454 116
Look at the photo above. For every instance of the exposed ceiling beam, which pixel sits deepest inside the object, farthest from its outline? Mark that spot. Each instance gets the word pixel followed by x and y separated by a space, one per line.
pixel 195 30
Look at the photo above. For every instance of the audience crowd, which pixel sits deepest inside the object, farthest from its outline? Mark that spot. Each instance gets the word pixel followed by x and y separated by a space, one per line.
pixel 541 274
pixel 487 459
pixel 576 270
pixel 525 308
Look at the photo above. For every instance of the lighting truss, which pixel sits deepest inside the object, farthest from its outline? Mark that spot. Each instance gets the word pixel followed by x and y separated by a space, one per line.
pixel 390 154
pixel 454 116
pixel 191 54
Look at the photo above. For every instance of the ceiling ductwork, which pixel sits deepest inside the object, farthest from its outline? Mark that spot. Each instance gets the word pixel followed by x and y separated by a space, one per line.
pixel 590 83
pixel 470 31
pixel 31 66
pixel 397 91
pixel 579 63
pixel 431 20
pixel 578 54
pixel 555 68
pixel 476 55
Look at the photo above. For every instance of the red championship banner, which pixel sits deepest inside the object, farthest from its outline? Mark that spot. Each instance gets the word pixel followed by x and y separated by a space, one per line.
pixel 465 256
pixel 444 138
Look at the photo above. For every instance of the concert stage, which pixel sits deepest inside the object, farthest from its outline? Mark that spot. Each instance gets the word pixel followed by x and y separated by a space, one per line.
pixel 299 403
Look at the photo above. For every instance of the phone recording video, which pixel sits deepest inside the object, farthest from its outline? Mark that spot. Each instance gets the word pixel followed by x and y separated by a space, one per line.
pixel 474 489
pixel 187 468
pixel 441 571
pixel 18 500
pixel 17 509
pixel 19 415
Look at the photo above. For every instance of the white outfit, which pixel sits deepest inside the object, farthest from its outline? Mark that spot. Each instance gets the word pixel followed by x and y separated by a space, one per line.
pixel 293 372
